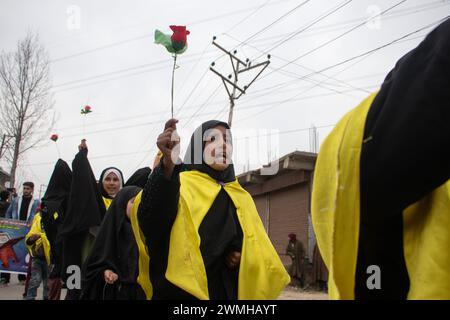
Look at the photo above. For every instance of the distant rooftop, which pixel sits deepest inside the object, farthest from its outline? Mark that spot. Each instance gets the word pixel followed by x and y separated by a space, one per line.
pixel 297 160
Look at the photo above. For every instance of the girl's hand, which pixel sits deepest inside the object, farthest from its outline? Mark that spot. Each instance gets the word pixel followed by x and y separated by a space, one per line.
pixel 168 143
pixel 110 276
pixel 233 259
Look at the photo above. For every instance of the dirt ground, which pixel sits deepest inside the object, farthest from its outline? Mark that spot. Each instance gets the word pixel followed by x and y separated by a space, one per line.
pixel 294 293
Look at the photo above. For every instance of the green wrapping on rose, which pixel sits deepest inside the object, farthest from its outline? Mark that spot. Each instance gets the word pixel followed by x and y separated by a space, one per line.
pixel 177 43
pixel 164 39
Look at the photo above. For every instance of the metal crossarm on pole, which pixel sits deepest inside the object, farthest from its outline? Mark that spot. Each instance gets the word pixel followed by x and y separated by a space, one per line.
pixel 236 64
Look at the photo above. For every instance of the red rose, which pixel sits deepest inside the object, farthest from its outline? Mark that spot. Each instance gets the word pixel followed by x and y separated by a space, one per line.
pixel 54 137
pixel 86 110
pixel 179 36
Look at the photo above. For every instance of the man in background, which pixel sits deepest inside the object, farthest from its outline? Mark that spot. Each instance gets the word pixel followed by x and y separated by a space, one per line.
pixel 296 251
pixel 4 204
pixel 23 208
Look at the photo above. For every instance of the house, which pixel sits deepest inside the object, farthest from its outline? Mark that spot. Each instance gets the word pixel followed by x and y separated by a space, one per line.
pixel 283 200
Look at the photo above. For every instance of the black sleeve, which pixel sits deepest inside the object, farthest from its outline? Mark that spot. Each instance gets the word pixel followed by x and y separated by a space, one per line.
pixel 159 205
pixel 407 133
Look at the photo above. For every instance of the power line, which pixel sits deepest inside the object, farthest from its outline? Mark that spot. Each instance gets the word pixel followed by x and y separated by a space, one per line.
pixel 385 45
pixel 302 29
pixel 327 68
pixel 251 95
pixel 252 36
pixel 206 71
pixel 365 54
pixel 278 19
pixel 340 25
pixel 290 82
pixel 112 155
pixel 149 35
pixel 268 26
pixel 304 67
pixel 284 132
pixel 190 73
pixel 192 91
pixel 248 16
pixel 334 39
pixel 203 105
pixel 204 74
pixel 192 55
pixel 398 40
pixel 152 64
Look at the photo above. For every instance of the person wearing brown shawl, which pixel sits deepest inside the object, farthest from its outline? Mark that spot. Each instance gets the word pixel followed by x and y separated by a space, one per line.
pixel 296 251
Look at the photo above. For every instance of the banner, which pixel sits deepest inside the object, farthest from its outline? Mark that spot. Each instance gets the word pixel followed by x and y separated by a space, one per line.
pixel 13 252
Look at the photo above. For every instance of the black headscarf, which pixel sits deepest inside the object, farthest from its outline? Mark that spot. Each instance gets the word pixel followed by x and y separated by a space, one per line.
pixel 100 182
pixel 55 200
pixel 193 159
pixel 115 249
pixel 139 178
pixel 56 196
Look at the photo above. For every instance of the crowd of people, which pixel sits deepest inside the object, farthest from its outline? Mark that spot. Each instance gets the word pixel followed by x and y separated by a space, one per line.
pixel 186 229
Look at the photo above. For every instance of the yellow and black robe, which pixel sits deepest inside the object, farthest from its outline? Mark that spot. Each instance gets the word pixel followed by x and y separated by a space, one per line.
pixel 261 275
pixel 381 195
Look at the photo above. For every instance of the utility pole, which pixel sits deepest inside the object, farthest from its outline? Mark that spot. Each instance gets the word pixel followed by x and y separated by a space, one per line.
pixel 239 67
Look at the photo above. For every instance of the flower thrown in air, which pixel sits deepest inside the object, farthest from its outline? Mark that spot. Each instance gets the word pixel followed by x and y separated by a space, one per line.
pixel 54 137
pixel 86 110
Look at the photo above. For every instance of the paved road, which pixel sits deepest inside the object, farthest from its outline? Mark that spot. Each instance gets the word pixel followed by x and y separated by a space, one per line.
pixel 14 292
pixel 291 293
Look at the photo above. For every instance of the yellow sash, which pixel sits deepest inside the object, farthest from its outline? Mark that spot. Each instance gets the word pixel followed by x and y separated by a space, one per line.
pixel 144 260
pixel 42 241
pixel 107 202
pixel 336 214
pixel 261 272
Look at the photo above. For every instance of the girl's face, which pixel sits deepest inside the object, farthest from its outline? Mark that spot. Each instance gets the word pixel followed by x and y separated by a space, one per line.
pixel 130 207
pixel 111 184
pixel 218 148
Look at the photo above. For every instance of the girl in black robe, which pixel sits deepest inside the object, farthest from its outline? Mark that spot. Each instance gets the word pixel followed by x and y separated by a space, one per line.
pixel 87 205
pixel 110 271
pixel 53 208
pixel 220 230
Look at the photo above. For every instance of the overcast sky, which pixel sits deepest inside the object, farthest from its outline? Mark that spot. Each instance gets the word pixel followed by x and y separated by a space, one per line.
pixel 102 54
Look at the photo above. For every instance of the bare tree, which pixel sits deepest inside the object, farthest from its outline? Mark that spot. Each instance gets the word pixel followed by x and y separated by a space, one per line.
pixel 26 103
